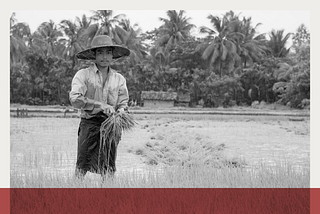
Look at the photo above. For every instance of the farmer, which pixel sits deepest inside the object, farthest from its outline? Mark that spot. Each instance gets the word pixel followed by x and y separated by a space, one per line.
pixel 98 91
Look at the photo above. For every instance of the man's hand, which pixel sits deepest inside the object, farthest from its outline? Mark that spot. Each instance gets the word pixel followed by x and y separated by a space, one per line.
pixel 107 109
pixel 102 107
pixel 120 110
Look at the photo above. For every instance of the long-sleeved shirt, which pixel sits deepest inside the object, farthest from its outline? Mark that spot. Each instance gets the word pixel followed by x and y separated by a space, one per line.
pixel 87 88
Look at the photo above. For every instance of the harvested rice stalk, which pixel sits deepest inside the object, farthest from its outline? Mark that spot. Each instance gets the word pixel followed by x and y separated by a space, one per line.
pixel 111 130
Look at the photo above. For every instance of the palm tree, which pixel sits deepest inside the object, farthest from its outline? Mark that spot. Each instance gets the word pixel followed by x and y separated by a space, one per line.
pixel 44 44
pixel 277 43
pixel 106 25
pixel 218 48
pixel 47 36
pixel 251 47
pixel 19 32
pixel 174 30
pixel 161 56
pixel 72 43
pixel 133 40
pixel 84 22
pixel 137 51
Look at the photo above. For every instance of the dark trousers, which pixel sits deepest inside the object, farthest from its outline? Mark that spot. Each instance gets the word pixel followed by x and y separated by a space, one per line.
pixel 88 149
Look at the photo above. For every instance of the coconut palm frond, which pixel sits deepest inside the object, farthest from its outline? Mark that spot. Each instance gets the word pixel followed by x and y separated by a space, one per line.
pixel 223 50
pixel 216 22
pixel 208 51
pixel 120 16
pixel 206 30
pixel 215 55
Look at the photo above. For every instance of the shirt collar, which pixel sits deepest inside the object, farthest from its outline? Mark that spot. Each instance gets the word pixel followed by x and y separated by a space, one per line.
pixel 95 68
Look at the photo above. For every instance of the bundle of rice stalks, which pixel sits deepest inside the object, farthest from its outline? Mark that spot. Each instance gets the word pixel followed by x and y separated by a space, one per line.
pixel 111 130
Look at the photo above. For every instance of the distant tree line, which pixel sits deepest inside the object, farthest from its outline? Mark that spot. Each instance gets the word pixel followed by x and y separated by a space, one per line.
pixel 232 64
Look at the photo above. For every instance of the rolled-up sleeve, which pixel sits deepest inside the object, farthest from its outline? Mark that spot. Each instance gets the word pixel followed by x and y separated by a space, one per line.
pixel 123 95
pixel 78 91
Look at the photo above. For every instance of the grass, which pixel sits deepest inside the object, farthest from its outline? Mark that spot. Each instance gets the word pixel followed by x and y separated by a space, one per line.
pixel 280 176
pixel 43 153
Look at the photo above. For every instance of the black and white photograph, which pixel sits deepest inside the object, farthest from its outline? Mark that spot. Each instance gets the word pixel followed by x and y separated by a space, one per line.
pixel 160 98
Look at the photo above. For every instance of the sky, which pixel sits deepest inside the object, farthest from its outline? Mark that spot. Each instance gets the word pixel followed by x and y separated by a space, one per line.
pixel 289 20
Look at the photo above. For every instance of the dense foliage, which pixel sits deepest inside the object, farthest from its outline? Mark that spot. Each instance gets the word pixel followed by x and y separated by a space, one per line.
pixel 232 64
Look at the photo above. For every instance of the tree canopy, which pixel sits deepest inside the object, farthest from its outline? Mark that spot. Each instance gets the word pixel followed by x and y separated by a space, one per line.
pixel 231 62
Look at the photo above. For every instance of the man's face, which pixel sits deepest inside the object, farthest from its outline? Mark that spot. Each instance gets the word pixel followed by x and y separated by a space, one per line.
pixel 104 56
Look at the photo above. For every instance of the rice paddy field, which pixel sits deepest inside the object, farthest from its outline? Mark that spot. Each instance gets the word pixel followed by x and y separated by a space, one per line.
pixel 169 150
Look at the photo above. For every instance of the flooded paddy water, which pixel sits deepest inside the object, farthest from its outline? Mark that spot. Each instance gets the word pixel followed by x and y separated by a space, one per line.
pixel 50 144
